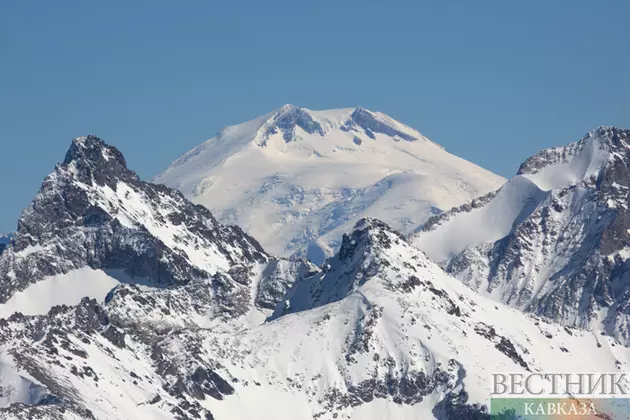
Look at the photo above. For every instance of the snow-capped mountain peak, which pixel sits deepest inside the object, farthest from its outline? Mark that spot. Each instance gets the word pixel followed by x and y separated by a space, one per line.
pixel 297 179
pixel 554 240
pixel 560 167
pixel 376 122
pixel 90 148
pixel 95 223
pixel 92 161
pixel 365 251
pixel 285 122
pixel 362 123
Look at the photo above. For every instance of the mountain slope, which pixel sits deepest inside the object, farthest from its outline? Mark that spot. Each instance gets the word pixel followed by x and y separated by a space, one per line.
pixel 382 332
pixel 297 179
pixel 554 240
pixel 95 224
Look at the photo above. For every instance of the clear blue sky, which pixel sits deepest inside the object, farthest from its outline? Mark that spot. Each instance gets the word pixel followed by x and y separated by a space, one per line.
pixel 492 81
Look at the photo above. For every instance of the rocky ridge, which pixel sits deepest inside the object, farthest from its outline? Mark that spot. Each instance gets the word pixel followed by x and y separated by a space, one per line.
pixel 566 254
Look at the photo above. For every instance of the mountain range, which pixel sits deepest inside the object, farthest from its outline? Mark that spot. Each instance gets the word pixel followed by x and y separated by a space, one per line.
pixel 124 299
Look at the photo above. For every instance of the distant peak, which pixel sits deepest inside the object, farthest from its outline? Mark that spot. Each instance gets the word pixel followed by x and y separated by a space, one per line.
pixel 287 107
pixel 602 141
pixel 362 110
pixel 91 160
pixel 359 120
pixel 373 123
pixel 291 113
pixel 372 226
pixel 92 149
pixel 5 240
pixel 287 119
pixel 614 137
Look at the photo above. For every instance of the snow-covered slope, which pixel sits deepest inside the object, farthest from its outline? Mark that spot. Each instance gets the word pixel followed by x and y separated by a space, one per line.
pixel 381 332
pixel 297 179
pixel 554 240
pixel 202 323
pixel 61 289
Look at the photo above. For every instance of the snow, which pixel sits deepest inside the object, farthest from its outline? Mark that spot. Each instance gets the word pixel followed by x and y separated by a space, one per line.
pixel 133 208
pixel 382 311
pixel 623 253
pixel 587 162
pixel 414 333
pixel 544 233
pixel 289 367
pixel 516 199
pixel 130 207
pixel 33 249
pixel 16 387
pixel 514 202
pixel 64 289
pixel 251 403
pixel 300 196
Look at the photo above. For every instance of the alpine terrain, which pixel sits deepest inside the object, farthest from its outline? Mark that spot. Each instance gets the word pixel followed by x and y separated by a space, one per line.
pixel 554 240
pixel 123 300
pixel 297 179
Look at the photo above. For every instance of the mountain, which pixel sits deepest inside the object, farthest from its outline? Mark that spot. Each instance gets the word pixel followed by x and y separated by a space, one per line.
pixel 95 224
pixel 298 179
pixel 554 240
pixel 381 332
pixel 123 300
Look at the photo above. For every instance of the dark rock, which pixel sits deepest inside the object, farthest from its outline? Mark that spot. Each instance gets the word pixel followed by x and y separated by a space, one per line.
pixel 370 124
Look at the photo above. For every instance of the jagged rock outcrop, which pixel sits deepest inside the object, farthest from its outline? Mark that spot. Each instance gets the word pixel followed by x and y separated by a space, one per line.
pixel 92 211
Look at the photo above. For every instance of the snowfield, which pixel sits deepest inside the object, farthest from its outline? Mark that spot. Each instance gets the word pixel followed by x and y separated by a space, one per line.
pixel 297 179
pixel 62 289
